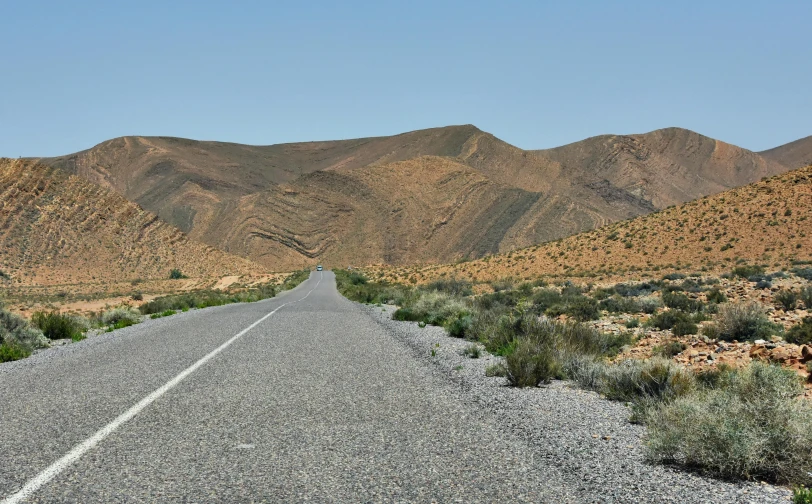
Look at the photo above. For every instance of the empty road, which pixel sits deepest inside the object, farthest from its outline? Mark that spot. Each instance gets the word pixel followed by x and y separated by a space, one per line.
pixel 299 398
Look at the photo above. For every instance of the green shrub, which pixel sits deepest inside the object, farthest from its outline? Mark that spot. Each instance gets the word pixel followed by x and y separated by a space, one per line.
pixel 632 323
pixel 580 308
pixel 292 281
pixel 749 425
pixel 460 326
pixel 120 317
pixel 667 319
pixel 716 296
pixel 743 322
pixel 19 338
pixel 533 361
pixel 636 290
pixel 656 378
pixel 166 313
pixel 434 308
pixel 356 287
pixel 137 296
pixel 650 304
pixel 802 495
pixel 452 286
pixel 684 328
pixel 680 301
pixel 805 273
pixel 800 334
pixel 176 274
pixel 669 349
pixel 786 299
pixel 544 299
pixel 10 351
pixel 747 271
pixel 55 325
pixel 805 296
pixel 618 304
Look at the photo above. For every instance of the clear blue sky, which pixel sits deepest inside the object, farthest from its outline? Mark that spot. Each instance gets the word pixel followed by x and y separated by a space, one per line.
pixel 536 74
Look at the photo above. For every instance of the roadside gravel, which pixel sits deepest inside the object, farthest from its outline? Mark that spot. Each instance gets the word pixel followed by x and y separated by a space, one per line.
pixel 599 452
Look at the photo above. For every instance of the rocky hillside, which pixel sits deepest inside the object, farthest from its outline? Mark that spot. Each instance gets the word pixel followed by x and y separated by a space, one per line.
pixel 57 228
pixel 434 195
pixel 762 223
pixel 792 155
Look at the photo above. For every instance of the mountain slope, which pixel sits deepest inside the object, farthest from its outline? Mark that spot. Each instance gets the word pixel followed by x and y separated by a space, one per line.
pixel 765 222
pixel 792 155
pixel 667 166
pixel 285 204
pixel 56 228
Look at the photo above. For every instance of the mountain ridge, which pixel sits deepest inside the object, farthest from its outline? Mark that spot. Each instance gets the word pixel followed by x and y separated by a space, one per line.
pixel 196 185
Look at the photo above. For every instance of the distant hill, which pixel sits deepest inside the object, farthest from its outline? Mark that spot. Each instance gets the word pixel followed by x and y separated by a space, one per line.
pixel 667 166
pixel 346 201
pixel 57 228
pixel 766 222
pixel 792 155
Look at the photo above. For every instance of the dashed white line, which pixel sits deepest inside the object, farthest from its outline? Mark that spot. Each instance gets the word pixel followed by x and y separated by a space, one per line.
pixel 72 456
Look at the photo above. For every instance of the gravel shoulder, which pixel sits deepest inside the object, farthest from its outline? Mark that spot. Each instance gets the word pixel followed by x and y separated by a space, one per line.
pixel 599 452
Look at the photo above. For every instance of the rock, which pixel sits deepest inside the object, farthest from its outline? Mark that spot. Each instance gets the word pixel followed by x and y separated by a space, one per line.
pixel 759 342
pixel 758 351
pixel 806 354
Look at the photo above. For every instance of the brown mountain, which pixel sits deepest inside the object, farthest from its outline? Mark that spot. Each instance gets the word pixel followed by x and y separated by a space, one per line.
pixel 424 196
pixel 667 166
pixel 761 223
pixel 57 228
pixel 793 155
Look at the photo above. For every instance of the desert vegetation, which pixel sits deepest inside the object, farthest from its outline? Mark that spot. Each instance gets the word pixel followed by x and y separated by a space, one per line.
pixel 19 337
pixel 635 342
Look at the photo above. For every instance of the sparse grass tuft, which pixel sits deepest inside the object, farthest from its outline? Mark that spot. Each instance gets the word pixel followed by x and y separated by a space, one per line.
pixel 473 351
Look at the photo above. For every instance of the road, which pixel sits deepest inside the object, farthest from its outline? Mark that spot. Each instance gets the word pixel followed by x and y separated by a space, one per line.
pixel 300 398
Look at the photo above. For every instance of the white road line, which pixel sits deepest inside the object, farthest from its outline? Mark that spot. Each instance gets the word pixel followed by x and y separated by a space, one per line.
pixel 72 456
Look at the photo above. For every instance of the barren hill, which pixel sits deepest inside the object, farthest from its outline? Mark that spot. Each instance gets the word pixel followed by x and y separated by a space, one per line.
pixel 56 228
pixel 766 223
pixel 667 166
pixel 792 155
pixel 344 200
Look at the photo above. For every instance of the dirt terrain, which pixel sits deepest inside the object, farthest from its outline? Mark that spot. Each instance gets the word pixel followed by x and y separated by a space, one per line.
pixel 427 196
pixel 58 230
pixel 766 222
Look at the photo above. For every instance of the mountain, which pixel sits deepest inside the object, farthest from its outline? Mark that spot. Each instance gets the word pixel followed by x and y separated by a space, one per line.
pixel 761 223
pixel 433 195
pixel 667 166
pixel 57 228
pixel 792 155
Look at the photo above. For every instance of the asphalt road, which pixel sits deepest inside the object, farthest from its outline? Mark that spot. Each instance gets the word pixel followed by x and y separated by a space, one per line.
pixel 316 402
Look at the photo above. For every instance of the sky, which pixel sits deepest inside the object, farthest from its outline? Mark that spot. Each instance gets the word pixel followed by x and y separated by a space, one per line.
pixel 536 74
